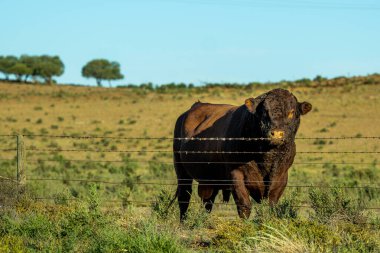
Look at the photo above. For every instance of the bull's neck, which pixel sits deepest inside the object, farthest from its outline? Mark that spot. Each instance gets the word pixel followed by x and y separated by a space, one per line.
pixel 274 157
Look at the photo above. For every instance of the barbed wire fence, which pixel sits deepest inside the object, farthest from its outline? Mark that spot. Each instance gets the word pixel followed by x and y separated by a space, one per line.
pixel 22 149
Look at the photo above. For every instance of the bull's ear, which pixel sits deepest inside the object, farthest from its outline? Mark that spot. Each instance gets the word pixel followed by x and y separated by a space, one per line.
pixel 304 107
pixel 250 103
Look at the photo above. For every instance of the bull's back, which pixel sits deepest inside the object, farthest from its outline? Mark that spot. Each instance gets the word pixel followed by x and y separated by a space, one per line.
pixel 201 121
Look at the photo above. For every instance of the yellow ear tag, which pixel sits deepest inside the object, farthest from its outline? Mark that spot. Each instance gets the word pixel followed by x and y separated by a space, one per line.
pixel 248 102
pixel 291 114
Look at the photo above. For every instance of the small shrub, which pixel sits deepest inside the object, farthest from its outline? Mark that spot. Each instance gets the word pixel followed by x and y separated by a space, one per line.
pixel 131 121
pixel 286 208
pixel 197 216
pixel 332 204
pixel 44 130
pixel 8 193
pixel 319 142
pixel 160 170
pixel 161 205
pixel 11 119
pixel 62 198
pixel 10 243
pixel 128 169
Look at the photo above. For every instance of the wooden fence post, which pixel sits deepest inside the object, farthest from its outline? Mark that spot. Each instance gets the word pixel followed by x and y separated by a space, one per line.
pixel 21 177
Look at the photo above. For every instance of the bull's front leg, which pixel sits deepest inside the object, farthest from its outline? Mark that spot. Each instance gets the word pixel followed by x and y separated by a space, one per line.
pixel 277 188
pixel 241 194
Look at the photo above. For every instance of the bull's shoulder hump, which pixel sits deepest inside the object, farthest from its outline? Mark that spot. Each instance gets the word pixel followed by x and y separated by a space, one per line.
pixel 203 116
pixel 207 107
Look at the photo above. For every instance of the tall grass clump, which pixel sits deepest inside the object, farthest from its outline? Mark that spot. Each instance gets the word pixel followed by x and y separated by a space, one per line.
pixel 278 240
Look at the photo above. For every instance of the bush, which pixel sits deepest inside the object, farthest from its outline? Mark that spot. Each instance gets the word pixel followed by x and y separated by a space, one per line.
pixel 286 208
pixel 161 206
pixel 332 204
pixel 197 216
pixel 159 169
pixel 8 193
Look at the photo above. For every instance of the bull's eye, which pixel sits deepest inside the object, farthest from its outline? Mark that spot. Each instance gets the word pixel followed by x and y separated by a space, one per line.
pixel 291 114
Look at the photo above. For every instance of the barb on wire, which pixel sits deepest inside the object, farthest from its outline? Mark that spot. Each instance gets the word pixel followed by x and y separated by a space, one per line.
pixel 196 152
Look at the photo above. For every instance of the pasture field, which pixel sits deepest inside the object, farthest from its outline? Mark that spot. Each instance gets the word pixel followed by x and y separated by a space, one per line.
pixel 109 192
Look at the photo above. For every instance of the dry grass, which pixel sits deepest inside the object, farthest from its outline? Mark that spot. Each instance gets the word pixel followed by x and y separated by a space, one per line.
pixel 279 240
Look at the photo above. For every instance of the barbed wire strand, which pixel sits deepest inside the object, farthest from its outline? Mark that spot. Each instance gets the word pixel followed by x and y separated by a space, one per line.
pixel 175 162
pixel 181 202
pixel 197 152
pixel 174 181
pixel 198 138
pixel 7 159
pixel 204 184
pixel 8 149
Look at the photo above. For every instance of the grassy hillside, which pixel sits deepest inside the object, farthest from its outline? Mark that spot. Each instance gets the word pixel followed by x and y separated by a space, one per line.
pixel 109 193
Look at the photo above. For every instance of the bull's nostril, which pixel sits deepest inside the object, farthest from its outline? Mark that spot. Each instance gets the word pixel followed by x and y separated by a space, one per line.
pixel 272 133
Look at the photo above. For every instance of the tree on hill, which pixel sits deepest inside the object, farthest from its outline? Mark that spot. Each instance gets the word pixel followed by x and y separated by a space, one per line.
pixel 6 64
pixel 20 69
pixel 102 69
pixel 31 62
pixel 48 66
pixel 44 67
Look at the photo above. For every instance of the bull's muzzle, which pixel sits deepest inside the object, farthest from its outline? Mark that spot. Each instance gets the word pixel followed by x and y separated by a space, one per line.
pixel 277 136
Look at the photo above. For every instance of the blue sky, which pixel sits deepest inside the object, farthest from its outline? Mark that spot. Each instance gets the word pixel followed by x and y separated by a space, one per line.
pixel 198 41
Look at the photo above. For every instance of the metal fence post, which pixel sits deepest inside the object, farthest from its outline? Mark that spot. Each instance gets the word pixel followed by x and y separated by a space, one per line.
pixel 21 177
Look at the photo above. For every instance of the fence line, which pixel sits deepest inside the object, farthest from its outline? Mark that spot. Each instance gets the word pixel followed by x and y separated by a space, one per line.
pixel 204 184
pixel 196 138
pixel 197 152
pixel 186 182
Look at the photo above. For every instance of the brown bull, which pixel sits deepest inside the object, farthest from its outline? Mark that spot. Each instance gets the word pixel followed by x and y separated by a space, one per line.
pixel 257 167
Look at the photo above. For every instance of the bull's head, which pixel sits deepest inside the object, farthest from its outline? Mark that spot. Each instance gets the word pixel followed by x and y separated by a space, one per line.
pixel 277 115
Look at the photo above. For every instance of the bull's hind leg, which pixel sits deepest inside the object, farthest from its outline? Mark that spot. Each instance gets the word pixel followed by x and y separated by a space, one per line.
pixel 184 195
